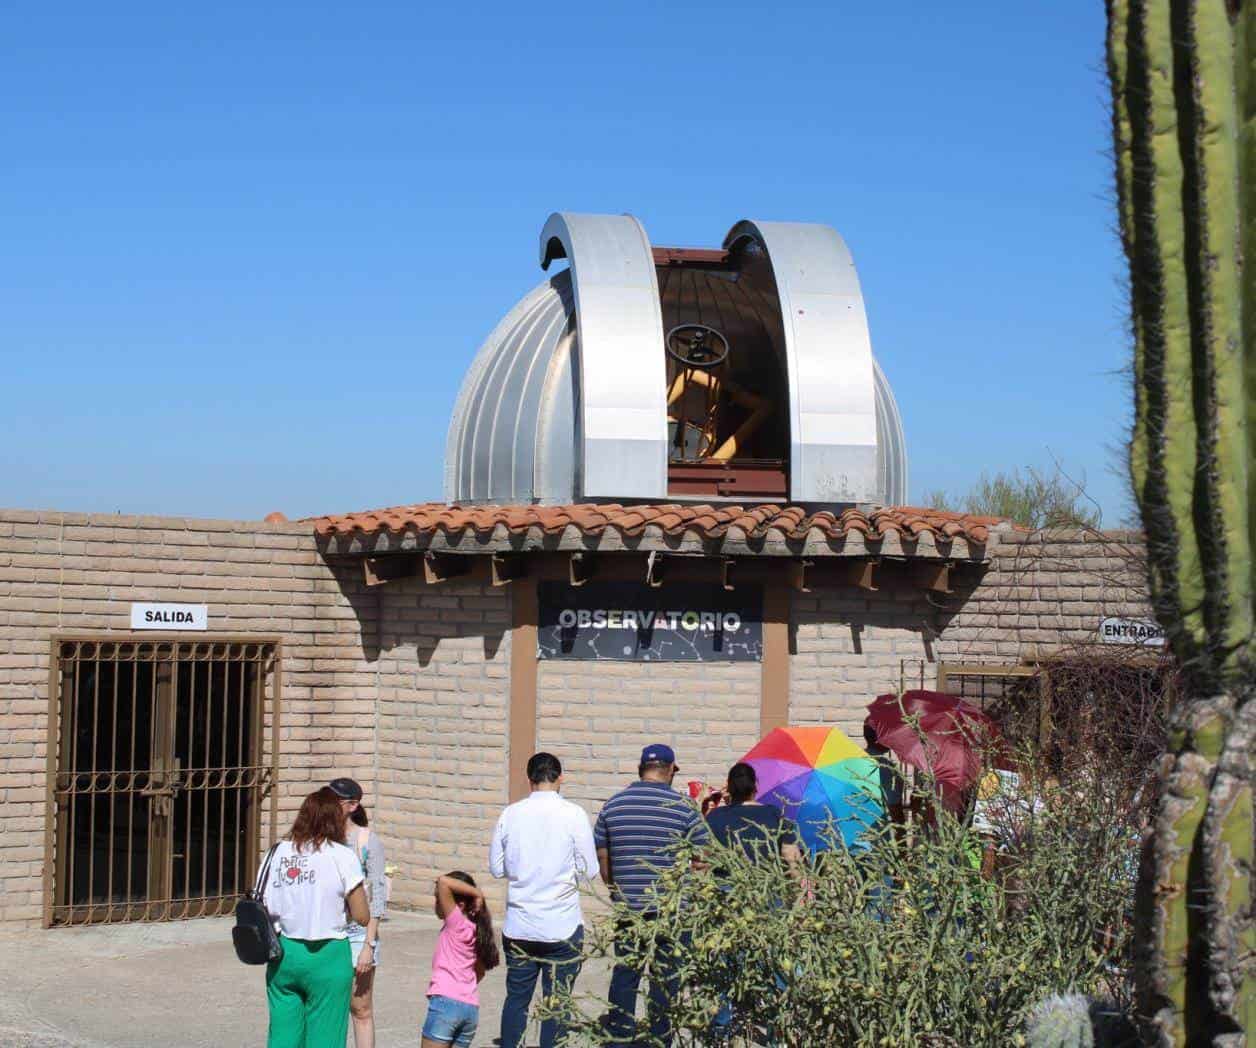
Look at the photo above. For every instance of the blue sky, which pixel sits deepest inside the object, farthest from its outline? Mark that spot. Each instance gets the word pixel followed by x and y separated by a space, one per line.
pixel 249 250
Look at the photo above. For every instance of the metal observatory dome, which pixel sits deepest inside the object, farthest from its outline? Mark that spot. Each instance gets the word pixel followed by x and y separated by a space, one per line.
pixel 680 374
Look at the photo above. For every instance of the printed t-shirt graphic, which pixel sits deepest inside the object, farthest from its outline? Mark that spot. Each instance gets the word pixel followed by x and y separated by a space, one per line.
pixel 306 889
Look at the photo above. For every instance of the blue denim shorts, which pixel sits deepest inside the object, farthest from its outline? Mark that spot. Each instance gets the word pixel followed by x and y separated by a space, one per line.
pixel 357 940
pixel 451 1022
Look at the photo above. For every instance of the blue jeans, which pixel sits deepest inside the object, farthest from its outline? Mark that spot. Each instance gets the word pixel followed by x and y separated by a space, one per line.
pixel 625 982
pixel 451 1022
pixel 557 963
pixel 722 1024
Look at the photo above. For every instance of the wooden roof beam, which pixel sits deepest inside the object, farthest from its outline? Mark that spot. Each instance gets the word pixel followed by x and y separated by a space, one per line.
pixel 378 570
pixel 863 574
pixel 655 569
pixel 440 567
pixel 796 573
pixel 506 568
pixel 581 567
pixel 936 578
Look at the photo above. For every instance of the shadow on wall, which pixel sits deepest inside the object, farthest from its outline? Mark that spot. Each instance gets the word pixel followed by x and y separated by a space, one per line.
pixel 853 645
pixel 412 615
pixel 408 613
pixel 896 610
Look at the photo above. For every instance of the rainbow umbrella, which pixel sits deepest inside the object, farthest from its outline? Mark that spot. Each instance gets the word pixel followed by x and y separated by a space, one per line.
pixel 818 777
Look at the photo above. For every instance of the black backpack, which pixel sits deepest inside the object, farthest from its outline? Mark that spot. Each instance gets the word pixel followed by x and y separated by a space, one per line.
pixel 254 935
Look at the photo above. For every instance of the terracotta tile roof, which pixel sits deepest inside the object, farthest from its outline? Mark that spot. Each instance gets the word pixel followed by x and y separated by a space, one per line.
pixel 899 526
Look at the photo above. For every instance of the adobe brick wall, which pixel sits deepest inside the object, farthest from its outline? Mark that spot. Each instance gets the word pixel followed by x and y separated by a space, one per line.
pixel 846 650
pixel 75 572
pixel 406 687
pixel 1047 591
pixel 596 716
pixel 444 689
pixel 1044 592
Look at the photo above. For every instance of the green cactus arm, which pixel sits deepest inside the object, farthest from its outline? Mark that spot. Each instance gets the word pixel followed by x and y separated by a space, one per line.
pixel 1118 78
pixel 1161 296
pixel 1245 84
pixel 1166 897
pixel 1183 75
pixel 1211 213
pixel 1125 63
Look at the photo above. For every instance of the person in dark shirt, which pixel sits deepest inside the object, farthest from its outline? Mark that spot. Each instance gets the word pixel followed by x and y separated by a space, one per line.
pixel 759 830
pixel 746 823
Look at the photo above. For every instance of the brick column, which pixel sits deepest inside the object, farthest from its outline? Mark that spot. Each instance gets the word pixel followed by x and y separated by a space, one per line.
pixel 774 687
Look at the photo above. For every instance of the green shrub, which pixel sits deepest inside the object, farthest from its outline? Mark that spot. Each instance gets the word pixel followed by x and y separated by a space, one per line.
pixel 905 944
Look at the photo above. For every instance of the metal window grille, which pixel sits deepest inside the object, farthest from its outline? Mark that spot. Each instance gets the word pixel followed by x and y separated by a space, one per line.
pixel 157 773
pixel 1018 697
pixel 911 673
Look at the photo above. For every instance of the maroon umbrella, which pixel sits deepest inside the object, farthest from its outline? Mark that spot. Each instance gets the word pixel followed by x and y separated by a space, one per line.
pixel 936 733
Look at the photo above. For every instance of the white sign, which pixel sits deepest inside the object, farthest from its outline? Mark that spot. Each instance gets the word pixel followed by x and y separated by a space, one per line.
pixel 169 616
pixel 1131 631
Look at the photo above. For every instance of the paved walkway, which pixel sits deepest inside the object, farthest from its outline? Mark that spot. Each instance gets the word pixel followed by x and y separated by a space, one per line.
pixel 179 985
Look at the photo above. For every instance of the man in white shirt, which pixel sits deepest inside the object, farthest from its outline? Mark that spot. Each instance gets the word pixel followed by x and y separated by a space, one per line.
pixel 543 846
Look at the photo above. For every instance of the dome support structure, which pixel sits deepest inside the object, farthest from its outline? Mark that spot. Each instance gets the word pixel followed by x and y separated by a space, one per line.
pixel 622 413
pixel 832 404
pixel 568 398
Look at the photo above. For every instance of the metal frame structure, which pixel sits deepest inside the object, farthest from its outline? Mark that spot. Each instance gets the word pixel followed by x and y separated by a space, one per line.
pixel 1045 671
pixel 984 671
pixel 237 675
pixel 832 400
pixel 622 412
pixel 567 399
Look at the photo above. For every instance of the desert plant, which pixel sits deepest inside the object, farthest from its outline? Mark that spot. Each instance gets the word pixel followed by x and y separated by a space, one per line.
pixel 905 943
pixel 1183 80
pixel 1105 708
pixel 1061 1021
pixel 1033 499
pixel 1073 1021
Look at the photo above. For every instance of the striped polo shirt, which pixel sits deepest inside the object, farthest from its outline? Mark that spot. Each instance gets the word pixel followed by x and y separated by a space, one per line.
pixel 639 826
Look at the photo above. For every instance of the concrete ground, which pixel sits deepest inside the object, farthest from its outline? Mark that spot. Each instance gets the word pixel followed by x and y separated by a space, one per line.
pixel 179 985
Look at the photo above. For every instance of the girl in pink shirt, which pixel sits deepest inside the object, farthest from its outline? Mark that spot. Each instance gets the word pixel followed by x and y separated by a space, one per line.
pixel 465 950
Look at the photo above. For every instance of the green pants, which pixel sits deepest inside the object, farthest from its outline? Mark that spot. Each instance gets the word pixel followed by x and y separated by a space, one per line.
pixel 308 992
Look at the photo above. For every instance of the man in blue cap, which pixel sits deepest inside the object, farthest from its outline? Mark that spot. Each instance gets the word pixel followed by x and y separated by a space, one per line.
pixel 635 834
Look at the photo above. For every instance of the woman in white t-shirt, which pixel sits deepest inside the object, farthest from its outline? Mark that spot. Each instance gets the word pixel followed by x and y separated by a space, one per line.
pixel 314 879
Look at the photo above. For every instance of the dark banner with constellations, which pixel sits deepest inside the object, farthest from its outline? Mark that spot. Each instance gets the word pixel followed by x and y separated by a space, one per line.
pixel 627 622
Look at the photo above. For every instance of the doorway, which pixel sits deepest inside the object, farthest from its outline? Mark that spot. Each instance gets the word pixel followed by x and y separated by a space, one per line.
pixel 156 776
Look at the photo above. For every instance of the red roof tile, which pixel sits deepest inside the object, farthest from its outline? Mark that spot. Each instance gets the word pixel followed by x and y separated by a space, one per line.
pixel 701 521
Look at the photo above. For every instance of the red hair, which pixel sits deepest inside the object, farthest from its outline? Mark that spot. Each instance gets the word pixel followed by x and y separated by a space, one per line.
pixel 320 819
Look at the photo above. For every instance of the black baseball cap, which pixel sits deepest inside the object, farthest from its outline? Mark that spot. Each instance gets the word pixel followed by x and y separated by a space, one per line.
pixel 346 789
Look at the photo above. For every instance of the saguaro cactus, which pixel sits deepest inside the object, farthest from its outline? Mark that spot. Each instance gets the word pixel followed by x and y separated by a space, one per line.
pixel 1183 77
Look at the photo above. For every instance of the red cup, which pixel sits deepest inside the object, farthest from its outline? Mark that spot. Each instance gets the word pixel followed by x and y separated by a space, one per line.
pixel 695 789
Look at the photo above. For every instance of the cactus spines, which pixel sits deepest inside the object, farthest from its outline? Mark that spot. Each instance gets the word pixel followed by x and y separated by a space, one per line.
pixel 1178 185
pixel 1183 78
pixel 1060 1021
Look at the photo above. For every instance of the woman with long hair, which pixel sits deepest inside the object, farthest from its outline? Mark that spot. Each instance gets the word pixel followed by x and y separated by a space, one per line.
pixel 314 879
pixel 465 950
pixel 363 939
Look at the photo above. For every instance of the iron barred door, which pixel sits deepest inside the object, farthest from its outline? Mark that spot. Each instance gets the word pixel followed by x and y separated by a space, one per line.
pixel 156 776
